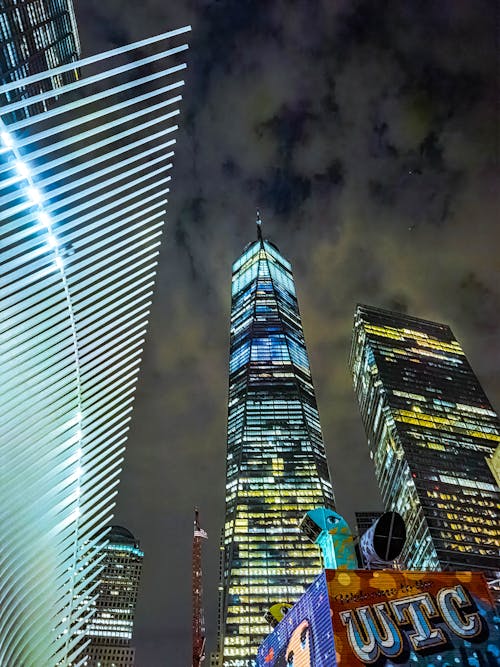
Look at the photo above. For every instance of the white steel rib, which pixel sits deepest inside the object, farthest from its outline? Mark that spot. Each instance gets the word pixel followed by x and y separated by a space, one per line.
pixel 83 188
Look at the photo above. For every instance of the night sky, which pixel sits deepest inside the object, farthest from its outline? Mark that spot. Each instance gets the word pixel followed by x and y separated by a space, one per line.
pixel 368 135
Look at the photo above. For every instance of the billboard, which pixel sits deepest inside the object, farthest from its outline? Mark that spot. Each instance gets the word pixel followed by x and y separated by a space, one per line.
pixel 304 638
pixel 389 617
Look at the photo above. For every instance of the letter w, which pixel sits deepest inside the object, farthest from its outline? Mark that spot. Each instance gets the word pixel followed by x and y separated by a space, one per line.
pixel 369 637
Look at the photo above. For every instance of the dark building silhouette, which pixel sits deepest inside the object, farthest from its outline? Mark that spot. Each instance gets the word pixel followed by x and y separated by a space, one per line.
pixel 365 520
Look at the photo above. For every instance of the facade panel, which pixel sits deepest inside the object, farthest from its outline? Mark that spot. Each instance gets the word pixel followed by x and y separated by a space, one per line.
pixel 364 521
pixel 430 431
pixel 304 637
pixel 276 463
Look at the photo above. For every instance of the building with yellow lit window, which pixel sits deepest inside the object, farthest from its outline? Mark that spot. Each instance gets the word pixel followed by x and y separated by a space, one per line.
pixel 430 431
pixel 276 463
pixel 110 630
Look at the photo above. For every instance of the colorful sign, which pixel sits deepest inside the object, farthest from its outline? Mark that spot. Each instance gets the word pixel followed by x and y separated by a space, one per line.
pixel 384 618
pixel 304 638
pixel 388 617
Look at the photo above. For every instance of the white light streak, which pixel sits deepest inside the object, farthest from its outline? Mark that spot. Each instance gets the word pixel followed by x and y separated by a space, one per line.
pixel 7 139
pixel 34 195
pixel 22 169
pixel 51 241
pixel 44 218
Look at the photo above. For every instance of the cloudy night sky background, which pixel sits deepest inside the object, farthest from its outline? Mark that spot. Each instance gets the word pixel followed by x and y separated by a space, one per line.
pixel 367 132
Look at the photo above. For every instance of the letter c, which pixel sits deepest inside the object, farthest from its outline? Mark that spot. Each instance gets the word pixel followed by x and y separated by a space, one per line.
pixel 465 626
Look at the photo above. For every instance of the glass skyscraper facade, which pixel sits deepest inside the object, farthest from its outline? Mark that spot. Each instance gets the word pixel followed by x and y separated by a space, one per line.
pixel 35 36
pixel 276 463
pixel 430 430
pixel 110 629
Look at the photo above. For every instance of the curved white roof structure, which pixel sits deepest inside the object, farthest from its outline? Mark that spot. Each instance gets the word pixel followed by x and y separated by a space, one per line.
pixel 82 201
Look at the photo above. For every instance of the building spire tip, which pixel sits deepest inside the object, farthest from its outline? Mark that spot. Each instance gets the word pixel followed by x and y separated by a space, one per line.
pixel 258 222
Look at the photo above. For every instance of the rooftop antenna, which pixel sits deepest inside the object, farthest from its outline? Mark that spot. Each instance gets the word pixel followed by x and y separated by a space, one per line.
pixel 259 226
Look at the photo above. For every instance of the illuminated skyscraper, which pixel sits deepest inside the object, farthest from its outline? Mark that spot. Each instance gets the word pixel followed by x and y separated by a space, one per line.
pixel 111 627
pixel 276 463
pixel 83 188
pixel 430 429
pixel 35 36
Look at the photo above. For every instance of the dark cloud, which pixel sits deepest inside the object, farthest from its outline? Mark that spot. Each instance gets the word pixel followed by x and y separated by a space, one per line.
pixel 480 303
pixel 281 191
pixel 367 133
pixel 397 302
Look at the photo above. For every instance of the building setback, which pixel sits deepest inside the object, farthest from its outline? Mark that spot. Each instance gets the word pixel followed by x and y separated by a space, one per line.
pixel 276 463
pixel 430 430
pixel 35 36
pixel 111 627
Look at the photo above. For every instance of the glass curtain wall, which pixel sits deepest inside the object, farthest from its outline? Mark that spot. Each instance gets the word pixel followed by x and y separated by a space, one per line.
pixel 430 430
pixel 276 463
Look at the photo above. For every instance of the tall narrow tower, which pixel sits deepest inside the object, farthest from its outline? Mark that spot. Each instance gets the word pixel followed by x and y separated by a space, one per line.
pixel 198 616
pixel 276 463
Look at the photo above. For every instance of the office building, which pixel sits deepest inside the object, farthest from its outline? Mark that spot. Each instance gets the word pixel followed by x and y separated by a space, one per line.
pixel 430 430
pixel 35 36
pixel 276 463
pixel 111 627
pixel 83 191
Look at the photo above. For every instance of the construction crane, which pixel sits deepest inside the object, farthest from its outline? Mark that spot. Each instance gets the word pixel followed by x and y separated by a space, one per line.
pixel 198 616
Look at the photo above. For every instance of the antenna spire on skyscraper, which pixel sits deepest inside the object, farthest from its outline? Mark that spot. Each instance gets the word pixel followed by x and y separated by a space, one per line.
pixel 259 225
